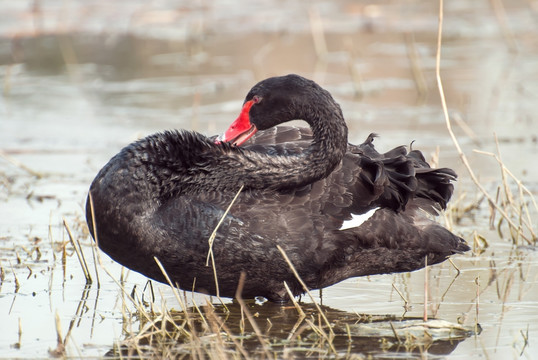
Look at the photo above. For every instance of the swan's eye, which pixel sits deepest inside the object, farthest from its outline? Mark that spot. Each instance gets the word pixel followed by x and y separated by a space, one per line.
pixel 256 99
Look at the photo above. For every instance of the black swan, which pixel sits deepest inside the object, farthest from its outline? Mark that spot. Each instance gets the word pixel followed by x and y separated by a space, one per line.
pixel 337 210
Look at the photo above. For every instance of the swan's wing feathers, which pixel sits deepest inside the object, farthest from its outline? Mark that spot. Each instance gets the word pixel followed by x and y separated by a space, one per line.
pixel 386 182
pixel 280 140
pixel 401 176
pixel 436 186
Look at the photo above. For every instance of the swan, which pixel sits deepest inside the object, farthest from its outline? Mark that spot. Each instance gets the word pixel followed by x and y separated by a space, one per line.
pixel 335 209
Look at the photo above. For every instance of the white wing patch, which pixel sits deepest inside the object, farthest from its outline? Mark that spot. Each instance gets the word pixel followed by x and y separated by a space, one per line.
pixel 357 220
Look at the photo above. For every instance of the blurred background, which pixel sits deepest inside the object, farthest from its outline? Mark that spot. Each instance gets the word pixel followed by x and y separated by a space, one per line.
pixel 83 74
pixel 81 79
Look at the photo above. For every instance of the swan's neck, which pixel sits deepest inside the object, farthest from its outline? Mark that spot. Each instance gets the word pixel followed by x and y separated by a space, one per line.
pixel 328 147
pixel 187 162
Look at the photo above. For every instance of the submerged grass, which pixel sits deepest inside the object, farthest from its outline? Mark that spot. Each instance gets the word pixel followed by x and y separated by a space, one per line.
pixel 219 332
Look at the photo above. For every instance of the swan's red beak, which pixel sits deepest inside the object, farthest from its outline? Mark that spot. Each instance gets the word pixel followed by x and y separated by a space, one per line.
pixel 241 129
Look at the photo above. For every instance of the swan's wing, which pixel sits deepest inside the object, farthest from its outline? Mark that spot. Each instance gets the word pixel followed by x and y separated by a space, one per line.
pixel 280 140
pixel 366 179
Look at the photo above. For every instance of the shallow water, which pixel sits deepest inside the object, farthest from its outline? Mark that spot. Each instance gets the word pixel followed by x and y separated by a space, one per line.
pixel 133 69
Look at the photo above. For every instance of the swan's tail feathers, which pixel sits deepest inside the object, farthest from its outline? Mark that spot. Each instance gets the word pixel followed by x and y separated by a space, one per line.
pixel 435 185
pixel 399 176
pixel 461 247
pixel 441 242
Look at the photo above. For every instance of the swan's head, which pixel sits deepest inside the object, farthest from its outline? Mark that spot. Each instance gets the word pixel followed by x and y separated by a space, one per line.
pixel 271 102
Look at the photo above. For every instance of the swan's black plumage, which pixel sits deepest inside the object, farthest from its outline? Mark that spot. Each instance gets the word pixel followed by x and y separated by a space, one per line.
pixel 162 196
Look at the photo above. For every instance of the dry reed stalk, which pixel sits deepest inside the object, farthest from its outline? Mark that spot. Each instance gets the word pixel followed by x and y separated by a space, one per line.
pixel 296 334
pixel 94 243
pixel 148 285
pixel 508 195
pixel 125 293
pixel 169 318
pixel 462 155
pixel 322 336
pixel 395 333
pixel 94 225
pixel 67 50
pixel 477 302
pixel 51 238
pixel 19 342
pixel 480 244
pixel 218 347
pixel 2 276
pixel 154 331
pixel 80 254
pixel 416 68
pixel 195 305
pixel 354 72
pixel 250 318
pixel 211 239
pixel 30 272
pixel 426 273
pixel 456 209
pixel 183 306
pixel 445 293
pixel 64 260
pixel 20 165
pixel 525 339
pixel 500 14
pixel 7 80
pixel 434 160
pixel 455 267
pixel 302 315
pixel 406 303
pixel 174 288
pixel 508 287
pixel 28 253
pixel 331 335
pixel 295 303
pixel 59 351
pixel 228 332
pixel 466 128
